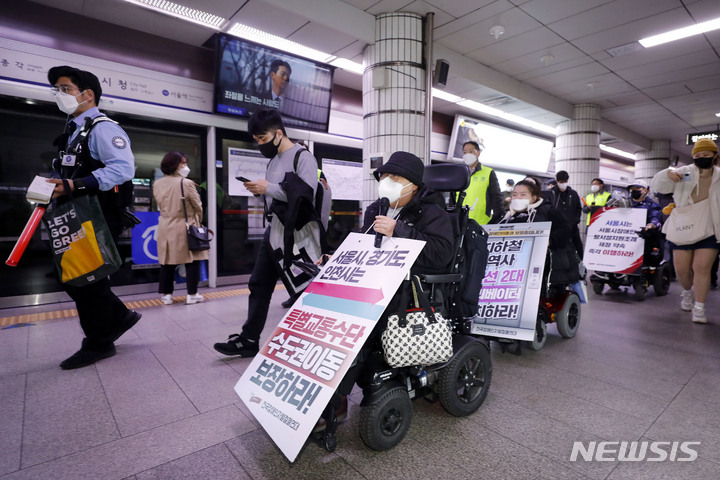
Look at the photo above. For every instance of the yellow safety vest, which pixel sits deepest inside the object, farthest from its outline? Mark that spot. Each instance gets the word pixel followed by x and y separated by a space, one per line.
pixel 479 183
pixel 596 200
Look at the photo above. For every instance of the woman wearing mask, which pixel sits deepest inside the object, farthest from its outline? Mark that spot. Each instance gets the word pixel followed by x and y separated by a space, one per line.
pixel 415 212
pixel 172 230
pixel 527 205
pixel 696 192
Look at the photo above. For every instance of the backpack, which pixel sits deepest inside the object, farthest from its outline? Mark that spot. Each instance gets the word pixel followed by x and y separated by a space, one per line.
pixel 322 206
pixel 475 253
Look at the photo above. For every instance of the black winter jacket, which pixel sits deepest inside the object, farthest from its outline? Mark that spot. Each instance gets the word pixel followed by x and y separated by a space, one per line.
pixel 424 218
pixel 560 229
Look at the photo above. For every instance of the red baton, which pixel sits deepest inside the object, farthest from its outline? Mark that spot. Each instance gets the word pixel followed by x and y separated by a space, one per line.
pixel 25 236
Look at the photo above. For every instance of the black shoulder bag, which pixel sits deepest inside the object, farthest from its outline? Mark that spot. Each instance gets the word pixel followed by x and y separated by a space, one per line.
pixel 198 237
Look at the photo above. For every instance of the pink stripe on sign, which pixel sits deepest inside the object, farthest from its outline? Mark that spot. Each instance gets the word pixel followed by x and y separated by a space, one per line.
pixel 359 294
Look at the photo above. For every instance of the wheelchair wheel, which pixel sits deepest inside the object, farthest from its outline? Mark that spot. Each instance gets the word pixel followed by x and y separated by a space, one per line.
pixel 661 282
pixel 540 338
pixel 385 423
pixel 568 319
pixel 598 287
pixel 464 383
pixel 640 288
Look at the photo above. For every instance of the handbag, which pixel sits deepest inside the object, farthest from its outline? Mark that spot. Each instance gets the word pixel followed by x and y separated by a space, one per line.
pixel 417 336
pixel 198 237
pixel 81 243
pixel 689 224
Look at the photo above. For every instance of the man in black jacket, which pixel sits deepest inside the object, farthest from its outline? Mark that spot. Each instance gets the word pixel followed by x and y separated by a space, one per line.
pixel 415 212
pixel 567 200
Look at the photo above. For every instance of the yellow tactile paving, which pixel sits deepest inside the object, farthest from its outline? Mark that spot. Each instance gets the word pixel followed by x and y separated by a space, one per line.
pixel 139 304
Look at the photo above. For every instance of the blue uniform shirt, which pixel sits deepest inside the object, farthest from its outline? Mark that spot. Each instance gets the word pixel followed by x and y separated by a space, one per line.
pixel 654 211
pixel 110 144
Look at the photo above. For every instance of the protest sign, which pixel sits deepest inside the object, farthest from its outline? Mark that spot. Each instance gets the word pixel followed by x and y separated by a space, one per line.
pixel 290 381
pixel 612 243
pixel 510 294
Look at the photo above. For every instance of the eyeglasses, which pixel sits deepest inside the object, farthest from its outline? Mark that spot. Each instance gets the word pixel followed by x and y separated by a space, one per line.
pixel 63 89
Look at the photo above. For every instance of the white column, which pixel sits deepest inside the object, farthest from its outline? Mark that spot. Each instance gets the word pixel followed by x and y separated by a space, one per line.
pixel 649 162
pixel 393 92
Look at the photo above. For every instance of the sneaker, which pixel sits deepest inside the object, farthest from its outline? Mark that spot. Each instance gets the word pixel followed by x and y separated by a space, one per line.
pixel 191 299
pixel 131 318
pixel 83 358
pixel 238 345
pixel 698 315
pixel 687 300
pixel 167 299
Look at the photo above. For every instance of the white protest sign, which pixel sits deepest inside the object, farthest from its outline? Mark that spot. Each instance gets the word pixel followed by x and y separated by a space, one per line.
pixel 513 279
pixel 291 380
pixel 612 244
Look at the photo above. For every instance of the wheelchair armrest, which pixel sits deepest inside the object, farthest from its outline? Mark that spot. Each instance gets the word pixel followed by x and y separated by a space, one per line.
pixel 441 278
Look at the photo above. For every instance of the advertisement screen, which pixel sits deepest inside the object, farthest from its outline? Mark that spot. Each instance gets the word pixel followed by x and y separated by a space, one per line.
pixel 249 77
pixel 504 148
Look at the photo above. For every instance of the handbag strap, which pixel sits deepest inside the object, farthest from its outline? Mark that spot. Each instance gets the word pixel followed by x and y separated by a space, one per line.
pixel 423 302
pixel 182 197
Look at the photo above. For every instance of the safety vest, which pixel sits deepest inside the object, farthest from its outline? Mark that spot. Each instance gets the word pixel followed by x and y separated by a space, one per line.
pixel 596 200
pixel 479 183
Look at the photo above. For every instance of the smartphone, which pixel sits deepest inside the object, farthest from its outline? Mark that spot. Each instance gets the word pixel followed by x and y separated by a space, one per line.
pixel 243 179
pixel 686 177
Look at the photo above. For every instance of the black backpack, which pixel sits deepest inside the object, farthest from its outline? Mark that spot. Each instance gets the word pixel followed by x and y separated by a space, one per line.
pixel 475 252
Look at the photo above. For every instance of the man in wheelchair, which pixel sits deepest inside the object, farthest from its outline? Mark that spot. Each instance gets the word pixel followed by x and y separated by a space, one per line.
pixel 414 212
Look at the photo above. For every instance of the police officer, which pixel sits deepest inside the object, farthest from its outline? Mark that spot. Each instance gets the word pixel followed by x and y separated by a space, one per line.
pixel 95 159
pixel 597 198
pixel 483 195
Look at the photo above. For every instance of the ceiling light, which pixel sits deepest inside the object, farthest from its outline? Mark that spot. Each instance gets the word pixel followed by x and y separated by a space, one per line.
pixel 619 153
pixel 443 95
pixel 673 35
pixel 546 59
pixel 349 65
pixel 717 114
pixel 255 35
pixel 496 31
pixel 182 12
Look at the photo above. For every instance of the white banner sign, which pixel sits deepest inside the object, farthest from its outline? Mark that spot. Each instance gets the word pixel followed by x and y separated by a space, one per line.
pixel 116 82
pixel 513 279
pixel 612 244
pixel 289 383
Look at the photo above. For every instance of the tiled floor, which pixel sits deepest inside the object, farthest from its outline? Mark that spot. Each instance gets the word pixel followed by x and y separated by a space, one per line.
pixel 164 406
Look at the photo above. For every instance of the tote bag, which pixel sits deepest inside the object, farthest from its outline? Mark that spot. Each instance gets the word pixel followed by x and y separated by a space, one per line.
pixel 689 224
pixel 82 246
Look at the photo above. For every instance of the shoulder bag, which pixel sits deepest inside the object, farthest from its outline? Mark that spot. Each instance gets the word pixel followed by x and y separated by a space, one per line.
pixel 198 237
pixel 689 224
pixel 418 336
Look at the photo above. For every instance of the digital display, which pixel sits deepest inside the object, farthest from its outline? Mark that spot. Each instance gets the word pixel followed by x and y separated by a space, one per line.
pixel 504 148
pixel 249 77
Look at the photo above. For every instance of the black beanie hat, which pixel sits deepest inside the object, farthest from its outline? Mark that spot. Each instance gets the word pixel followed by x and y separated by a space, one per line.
pixel 404 164
pixel 84 80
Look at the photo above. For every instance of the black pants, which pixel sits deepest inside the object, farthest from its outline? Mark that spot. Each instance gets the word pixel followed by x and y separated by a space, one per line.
pixel 100 312
pixel 577 241
pixel 262 284
pixel 167 278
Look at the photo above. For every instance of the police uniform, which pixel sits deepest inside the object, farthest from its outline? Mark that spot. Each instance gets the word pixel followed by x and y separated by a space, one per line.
pixel 95 152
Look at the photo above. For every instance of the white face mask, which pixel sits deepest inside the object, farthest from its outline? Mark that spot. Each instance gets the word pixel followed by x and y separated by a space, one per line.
pixel 67 103
pixel 519 204
pixel 390 189
pixel 469 159
pixel 595 188
pixel 562 186
pixel 184 171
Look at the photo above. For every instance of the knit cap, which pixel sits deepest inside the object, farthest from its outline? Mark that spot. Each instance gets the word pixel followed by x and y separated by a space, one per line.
pixel 704 145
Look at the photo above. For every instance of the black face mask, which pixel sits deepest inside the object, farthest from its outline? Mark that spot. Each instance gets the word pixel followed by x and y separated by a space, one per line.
pixel 703 162
pixel 269 149
pixel 635 194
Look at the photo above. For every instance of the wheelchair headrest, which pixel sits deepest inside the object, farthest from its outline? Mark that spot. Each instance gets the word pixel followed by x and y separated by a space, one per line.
pixel 447 177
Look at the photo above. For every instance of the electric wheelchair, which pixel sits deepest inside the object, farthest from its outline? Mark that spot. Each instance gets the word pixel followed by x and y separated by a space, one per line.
pixel 461 384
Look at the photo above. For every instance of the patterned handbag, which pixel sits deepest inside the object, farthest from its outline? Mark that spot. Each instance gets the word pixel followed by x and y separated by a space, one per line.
pixel 418 336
